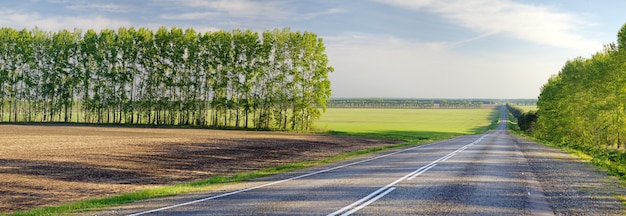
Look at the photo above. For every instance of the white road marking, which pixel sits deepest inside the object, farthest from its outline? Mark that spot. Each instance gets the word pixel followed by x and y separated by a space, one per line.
pixel 368 202
pixel 447 157
pixel 422 170
pixel 381 192
pixel 318 172
pixel 281 181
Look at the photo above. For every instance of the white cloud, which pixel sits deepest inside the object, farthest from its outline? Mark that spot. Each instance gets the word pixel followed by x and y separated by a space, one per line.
pixel 206 29
pixel 190 16
pixel 83 6
pixel 240 8
pixel 388 66
pixel 19 20
pixel 446 44
pixel 246 9
pixel 323 13
pixel 538 24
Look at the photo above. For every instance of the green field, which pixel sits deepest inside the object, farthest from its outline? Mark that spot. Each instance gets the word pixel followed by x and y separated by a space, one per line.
pixel 411 125
pixel 527 108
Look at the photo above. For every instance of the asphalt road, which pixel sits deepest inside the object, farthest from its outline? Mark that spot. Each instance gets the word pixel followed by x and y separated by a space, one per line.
pixel 470 175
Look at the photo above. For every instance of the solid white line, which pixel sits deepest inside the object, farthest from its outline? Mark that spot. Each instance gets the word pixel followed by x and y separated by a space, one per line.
pixel 422 168
pixel 421 171
pixel 303 176
pixel 281 181
pixel 447 157
pixel 368 202
pixel 388 188
pixel 373 193
pixel 358 201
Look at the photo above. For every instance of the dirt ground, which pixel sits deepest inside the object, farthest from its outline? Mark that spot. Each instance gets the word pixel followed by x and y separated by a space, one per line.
pixel 50 165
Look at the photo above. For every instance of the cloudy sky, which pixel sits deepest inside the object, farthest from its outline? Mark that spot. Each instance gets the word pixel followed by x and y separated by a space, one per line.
pixel 381 48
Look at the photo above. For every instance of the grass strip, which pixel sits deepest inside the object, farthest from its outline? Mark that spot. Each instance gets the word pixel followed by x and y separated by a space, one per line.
pixel 495 119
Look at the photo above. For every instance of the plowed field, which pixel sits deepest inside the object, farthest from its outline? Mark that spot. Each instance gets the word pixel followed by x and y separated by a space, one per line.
pixel 47 165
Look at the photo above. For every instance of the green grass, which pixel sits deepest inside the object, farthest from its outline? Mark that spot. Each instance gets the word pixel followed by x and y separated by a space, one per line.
pixel 413 126
pixel 410 125
pixel 527 108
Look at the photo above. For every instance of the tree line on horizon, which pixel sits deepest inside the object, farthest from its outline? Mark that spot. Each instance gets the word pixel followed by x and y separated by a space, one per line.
pixel 277 79
pixel 584 105
pixel 408 103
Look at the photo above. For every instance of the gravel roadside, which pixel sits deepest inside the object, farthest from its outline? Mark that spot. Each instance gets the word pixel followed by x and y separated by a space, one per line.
pixel 571 185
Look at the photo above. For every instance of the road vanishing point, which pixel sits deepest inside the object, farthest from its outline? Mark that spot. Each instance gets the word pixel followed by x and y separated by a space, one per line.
pixel 484 174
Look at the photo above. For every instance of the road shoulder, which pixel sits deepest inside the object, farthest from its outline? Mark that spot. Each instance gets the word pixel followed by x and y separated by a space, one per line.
pixel 571 185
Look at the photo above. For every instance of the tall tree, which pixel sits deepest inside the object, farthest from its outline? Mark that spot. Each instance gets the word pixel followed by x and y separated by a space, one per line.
pixel 170 76
pixel 583 106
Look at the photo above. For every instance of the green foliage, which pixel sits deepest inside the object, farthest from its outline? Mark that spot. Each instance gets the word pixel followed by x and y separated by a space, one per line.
pixel 169 77
pixel 526 108
pixel 525 119
pixel 583 107
pixel 621 37
pixel 584 103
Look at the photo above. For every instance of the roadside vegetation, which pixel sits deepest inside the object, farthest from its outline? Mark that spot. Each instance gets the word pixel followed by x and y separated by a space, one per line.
pixel 610 159
pixel 583 107
pixel 524 118
pixel 526 108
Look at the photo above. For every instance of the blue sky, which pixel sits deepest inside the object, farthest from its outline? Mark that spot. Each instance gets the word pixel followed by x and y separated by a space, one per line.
pixel 382 48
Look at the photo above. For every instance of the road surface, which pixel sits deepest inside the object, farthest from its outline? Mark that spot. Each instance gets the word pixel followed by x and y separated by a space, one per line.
pixel 484 174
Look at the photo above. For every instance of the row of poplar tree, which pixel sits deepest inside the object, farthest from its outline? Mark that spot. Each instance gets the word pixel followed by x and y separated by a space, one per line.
pixel 585 104
pixel 276 79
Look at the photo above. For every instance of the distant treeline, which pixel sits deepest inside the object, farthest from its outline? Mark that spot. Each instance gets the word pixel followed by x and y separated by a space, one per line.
pixel 407 103
pixel 522 102
pixel 272 80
